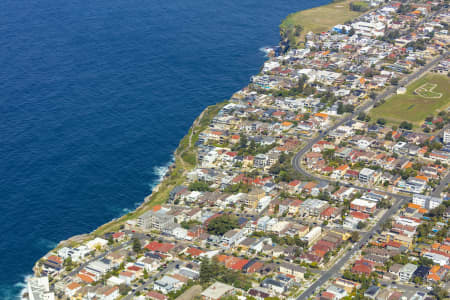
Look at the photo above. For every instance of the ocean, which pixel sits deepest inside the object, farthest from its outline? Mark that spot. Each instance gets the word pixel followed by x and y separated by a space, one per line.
pixel 96 95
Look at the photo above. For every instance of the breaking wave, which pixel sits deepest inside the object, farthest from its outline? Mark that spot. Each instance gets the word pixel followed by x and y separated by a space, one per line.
pixel 266 50
pixel 160 172
pixel 16 291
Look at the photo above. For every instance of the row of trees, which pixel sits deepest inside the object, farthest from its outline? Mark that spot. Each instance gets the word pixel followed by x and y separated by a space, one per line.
pixel 201 186
pixel 212 270
pixel 359 6
pixel 283 170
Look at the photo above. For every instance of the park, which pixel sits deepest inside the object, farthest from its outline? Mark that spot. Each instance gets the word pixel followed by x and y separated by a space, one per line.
pixel 424 97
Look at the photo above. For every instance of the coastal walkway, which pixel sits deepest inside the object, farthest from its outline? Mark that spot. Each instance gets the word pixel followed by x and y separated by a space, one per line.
pixel 179 156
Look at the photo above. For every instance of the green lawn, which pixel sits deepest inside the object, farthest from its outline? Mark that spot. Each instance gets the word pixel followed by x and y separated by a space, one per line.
pixel 317 19
pixel 434 95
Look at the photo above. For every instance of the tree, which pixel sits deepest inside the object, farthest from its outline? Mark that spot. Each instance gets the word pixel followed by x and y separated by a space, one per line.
pixel 384 203
pixel 359 6
pixel 381 121
pixel 124 289
pixel 361 225
pixel 400 259
pixel 145 274
pixel 222 224
pixel 201 186
pixel 137 245
pixel 351 31
pixel 394 81
pixel 439 293
pixel 68 263
pixel 406 125
pixel 388 136
pixel 212 270
pixel 355 236
pixel 425 261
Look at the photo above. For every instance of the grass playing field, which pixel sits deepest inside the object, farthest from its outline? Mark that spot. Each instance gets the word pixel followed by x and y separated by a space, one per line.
pixel 424 97
pixel 318 19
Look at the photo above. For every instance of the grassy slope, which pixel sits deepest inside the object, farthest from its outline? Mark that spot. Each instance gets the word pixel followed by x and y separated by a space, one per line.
pixel 414 108
pixel 176 176
pixel 318 19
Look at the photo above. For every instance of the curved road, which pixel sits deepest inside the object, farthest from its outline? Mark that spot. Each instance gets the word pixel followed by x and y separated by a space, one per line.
pixel 401 199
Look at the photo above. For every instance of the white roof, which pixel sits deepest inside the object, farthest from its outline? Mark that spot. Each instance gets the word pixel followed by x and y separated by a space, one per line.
pixel 217 290
pixel 114 280
pixel 362 202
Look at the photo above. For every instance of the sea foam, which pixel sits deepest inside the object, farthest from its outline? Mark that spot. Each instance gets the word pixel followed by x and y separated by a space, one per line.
pixel 160 172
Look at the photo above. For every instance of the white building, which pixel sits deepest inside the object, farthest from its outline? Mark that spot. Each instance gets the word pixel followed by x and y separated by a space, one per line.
pixel 406 272
pixel 180 233
pixel 427 202
pixel 39 289
pixel 372 29
pixel 167 284
pixel 437 258
pixel 72 288
pixel 76 254
pixel 232 237
pixel 447 136
pixel 313 235
pixel 114 280
pixel 367 175
pixel 263 203
pixel 96 243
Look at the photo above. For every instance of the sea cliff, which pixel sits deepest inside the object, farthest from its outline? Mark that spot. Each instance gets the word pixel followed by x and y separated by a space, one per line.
pixel 292 29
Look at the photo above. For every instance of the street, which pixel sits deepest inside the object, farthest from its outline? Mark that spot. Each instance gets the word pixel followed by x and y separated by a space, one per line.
pixel 150 281
pixel 401 199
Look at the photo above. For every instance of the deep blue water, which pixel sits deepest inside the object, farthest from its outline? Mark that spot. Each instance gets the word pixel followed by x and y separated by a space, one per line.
pixel 95 96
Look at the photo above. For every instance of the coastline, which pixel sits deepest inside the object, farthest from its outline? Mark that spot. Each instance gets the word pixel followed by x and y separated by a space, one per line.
pixel 215 172
pixel 172 175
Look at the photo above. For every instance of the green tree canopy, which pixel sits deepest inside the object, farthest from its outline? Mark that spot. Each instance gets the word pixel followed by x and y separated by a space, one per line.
pixel 222 224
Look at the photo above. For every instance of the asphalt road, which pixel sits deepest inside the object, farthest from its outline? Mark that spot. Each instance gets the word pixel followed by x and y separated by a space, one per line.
pixel 441 187
pixel 363 241
pixel 78 269
pixel 406 286
pixel 401 200
pixel 141 288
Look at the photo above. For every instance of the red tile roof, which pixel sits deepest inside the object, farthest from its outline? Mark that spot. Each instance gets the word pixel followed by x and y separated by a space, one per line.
pixel 194 251
pixel 359 215
pixel 85 278
pixel 159 247
pixel 239 265
pixel 156 295
pixel 134 268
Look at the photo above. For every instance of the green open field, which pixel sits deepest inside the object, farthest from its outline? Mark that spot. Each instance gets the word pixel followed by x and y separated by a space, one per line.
pixel 317 20
pixel 424 97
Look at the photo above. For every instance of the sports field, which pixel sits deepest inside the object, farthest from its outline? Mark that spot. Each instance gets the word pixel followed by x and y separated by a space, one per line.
pixel 424 97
